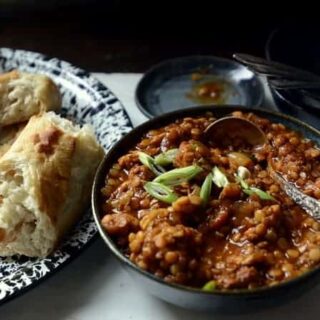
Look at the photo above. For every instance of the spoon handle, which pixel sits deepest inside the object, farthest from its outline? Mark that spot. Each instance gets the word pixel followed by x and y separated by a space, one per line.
pixel 294 84
pixel 309 204
pixel 275 69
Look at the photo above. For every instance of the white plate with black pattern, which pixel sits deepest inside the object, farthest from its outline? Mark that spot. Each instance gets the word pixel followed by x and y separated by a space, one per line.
pixel 85 100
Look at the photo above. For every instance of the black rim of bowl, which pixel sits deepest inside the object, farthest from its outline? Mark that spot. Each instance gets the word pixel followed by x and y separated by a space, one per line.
pixel 145 78
pixel 156 123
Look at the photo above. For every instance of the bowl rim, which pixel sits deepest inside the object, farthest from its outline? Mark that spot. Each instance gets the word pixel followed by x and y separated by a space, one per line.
pixel 153 69
pixel 157 122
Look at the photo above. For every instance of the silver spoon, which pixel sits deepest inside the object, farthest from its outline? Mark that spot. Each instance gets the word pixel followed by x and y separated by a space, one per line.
pixel 235 127
pixel 281 76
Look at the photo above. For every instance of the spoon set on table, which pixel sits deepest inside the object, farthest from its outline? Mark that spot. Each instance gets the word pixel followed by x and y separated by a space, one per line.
pixel 284 77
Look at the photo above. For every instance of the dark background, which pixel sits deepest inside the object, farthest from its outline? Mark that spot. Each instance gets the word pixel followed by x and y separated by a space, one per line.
pixel 128 36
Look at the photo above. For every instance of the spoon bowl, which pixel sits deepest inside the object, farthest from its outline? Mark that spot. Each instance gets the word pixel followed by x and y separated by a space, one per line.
pixel 235 128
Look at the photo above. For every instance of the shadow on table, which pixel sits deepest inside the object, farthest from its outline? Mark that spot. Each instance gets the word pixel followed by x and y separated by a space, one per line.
pixel 75 283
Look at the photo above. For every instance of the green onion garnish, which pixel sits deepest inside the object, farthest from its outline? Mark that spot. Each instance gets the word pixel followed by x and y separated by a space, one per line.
pixel 243 184
pixel 262 194
pixel 219 178
pixel 177 176
pixel 160 192
pixel 243 172
pixel 210 286
pixel 166 158
pixel 148 161
pixel 205 190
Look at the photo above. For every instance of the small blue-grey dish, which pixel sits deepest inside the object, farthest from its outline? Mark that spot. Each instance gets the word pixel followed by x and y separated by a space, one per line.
pixel 197 80
pixel 226 301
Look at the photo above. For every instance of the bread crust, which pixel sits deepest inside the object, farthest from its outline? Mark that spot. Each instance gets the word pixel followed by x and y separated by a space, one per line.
pixel 8 135
pixel 23 95
pixel 47 176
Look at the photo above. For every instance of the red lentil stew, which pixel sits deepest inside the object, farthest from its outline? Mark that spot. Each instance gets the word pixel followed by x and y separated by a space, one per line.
pixel 209 216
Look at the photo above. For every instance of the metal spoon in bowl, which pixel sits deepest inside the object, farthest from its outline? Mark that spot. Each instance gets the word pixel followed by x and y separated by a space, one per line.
pixel 235 127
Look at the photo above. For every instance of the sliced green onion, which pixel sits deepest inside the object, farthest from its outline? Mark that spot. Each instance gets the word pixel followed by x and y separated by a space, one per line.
pixel 210 286
pixel 205 190
pixel 177 176
pixel 148 161
pixel 243 172
pixel 160 192
pixel 166 158
pixel 243 184
pixel 219 178
pixel 262 194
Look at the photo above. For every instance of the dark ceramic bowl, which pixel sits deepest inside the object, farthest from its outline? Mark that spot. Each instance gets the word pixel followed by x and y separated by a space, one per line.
pixel 297 47
pixel 224 301
pixel 174 84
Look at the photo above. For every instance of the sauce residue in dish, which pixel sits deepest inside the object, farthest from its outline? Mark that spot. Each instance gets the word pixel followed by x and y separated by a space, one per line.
pixel 208 89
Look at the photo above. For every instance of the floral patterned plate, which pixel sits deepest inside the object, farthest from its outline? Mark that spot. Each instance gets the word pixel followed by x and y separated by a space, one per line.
pixel 85 100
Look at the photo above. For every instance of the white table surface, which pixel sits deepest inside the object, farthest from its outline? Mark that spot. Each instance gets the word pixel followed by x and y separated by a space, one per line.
pixel 95 287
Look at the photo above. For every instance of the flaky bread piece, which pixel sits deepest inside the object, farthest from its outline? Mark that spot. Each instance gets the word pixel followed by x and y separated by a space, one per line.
pixel 23 95
pixel 8 136
pixel 45 184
